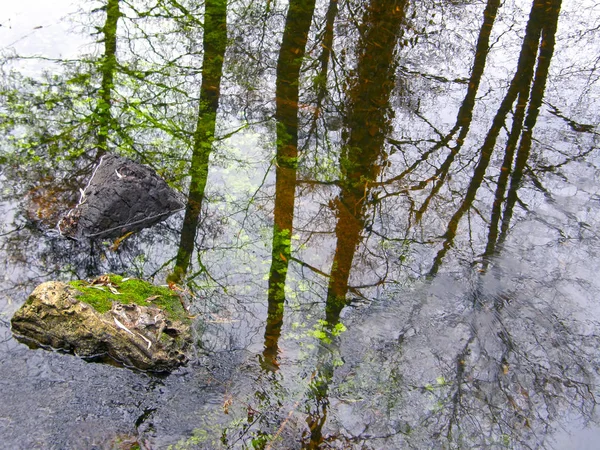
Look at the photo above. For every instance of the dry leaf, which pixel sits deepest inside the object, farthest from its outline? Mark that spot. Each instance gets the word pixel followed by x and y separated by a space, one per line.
pixel 226 404
pixel 113 290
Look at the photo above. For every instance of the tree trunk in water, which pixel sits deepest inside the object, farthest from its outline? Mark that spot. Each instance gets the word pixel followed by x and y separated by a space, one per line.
pixel 214 44
pixel 107 69
pixel 367 124
pixel 289 63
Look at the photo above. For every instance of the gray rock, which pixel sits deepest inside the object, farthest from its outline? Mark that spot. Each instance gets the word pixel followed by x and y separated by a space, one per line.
pixel 135 336
pixel 121 196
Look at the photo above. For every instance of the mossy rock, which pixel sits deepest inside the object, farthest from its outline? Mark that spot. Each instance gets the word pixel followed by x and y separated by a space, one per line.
pixel 103 291
pixel 147 328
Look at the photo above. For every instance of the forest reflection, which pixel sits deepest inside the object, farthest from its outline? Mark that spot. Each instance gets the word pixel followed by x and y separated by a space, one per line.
pixel 376 168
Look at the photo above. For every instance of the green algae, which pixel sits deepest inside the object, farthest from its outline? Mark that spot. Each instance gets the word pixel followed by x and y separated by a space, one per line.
pixel 128 291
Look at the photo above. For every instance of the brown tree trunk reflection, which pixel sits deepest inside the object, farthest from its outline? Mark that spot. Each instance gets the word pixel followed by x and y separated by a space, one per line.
pixel 214 44
pixel 291 55
pixel 546 51
pixel 519 85
pixel 319 397
pixel 324 58
pixel 367 124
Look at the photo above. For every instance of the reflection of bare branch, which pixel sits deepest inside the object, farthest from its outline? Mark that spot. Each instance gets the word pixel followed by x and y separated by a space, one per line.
pixel 575 126
pixel 520 83
pixel 14 230
pixel 546 51
pixel 460 380
pixel 464 117
pixel 569 158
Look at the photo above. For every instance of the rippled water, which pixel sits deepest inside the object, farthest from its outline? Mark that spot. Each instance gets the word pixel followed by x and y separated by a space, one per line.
pixel 391 229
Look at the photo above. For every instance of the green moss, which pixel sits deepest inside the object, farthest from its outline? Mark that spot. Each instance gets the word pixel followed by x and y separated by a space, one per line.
pixel 131 290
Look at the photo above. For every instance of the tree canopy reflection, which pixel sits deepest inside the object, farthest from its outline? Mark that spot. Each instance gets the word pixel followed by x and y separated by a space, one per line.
pixel 389 231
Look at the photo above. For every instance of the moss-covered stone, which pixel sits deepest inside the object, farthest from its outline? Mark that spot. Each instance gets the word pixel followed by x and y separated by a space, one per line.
pixel 86 319
pixel 101 293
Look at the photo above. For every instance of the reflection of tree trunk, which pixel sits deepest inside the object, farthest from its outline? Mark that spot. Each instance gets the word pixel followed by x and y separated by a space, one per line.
pixel 509 152
pixel 520 83
pixel 320 80
pixel 108 67
pixel 465 114
pixel 291 54
pixel 367 124
pixel 546 52
pixel 319 394
pixel 214 44
pixel 326 45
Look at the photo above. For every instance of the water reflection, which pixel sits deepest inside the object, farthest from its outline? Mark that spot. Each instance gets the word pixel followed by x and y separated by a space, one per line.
pixel 537 42
pixel 108 68
pixel 397 252
pixel 465 113
pixel 215 43
pixel 367 124
pixel 291 53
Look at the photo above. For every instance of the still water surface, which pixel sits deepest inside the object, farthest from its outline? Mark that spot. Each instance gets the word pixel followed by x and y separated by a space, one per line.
pixel 390 236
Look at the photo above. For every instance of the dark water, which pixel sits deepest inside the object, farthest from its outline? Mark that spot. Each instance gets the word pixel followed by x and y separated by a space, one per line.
pixel 390 232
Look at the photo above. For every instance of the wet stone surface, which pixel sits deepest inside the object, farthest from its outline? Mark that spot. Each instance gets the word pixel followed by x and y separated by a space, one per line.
pixel 121 196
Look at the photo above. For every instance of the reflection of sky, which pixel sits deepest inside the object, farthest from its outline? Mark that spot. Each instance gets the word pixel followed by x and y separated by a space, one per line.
pixel 580 439
pixel 36 27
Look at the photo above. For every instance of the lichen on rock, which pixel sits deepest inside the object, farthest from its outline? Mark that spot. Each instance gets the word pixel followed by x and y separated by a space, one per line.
pixel 145 337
